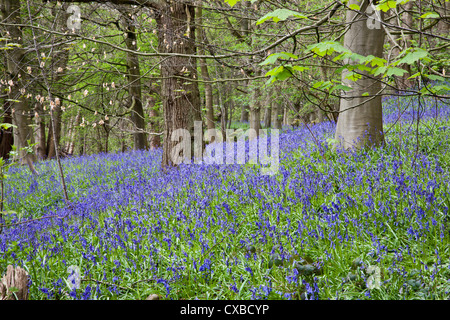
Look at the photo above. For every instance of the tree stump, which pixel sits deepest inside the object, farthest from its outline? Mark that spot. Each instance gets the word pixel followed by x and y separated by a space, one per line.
pixel 14 285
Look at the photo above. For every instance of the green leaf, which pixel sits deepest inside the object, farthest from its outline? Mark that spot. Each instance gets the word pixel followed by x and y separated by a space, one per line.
pixel 385 6
pixel 415 75
pixel 430 15
pixel 232 2
pixel 280 15
pixel 7 126
pixel 353 76
pixel 327 48
pixel 279 55
pixel 413 56
pixel 441 89
pixel 299 68
pixel 393 71
pixel 340 87
pixel 435 77
pixel 354 7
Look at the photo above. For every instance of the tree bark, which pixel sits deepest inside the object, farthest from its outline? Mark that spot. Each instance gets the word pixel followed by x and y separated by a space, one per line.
pixel 360 121
pixel 201 36
pixel 255 106
pixel 41 150
pixel 134 80
pixel 16 66
pixel 58 67
pixel 155 140
pixel 181 98
pixel 244 113
pixel 268 110
pixel 6 135
pixel 277 115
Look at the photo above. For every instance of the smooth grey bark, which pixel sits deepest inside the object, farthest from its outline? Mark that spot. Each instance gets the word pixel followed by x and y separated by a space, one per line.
pixel 360 121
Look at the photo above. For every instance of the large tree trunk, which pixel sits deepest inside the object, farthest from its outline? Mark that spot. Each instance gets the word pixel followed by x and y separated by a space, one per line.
pixel 6 135
pixel 134 80
pixel 360 121
pixel 16 66
pixel 181 99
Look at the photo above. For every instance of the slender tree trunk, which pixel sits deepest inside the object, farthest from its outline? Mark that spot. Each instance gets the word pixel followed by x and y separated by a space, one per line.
pixel 181 99
pixel 360 121
pixel 59 60
pixel 201 36
pixel 57 114
pixel 74 134
pixel 41 151
pixel 255 106
pixel 134 80
pixel 268 110
pixel 278 115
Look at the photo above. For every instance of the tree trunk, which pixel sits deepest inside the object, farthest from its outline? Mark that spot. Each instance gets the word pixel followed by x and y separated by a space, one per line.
pixel 155 140
pixel 58 68
pixel 255 106
pixel 6 135
pixel 41 150
pixel 134 80
pixel 74 134
pixel 268 110
pixel 16 66
pixel 277 115
pixel 14 284
pixel 244 113
pixel 360 121
pixel 57 114
pixel 181 99
pixel 205 75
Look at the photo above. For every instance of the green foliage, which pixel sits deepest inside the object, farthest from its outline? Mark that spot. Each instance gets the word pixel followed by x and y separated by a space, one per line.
pixel 280 15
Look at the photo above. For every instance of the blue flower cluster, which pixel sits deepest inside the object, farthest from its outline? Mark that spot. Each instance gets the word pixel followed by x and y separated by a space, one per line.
pixel 226 231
